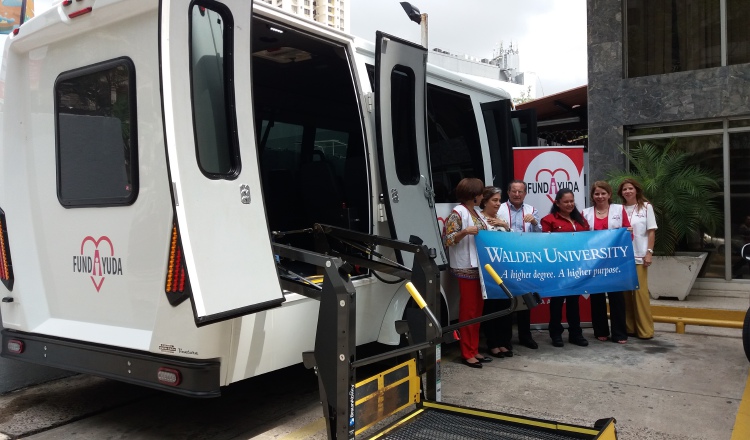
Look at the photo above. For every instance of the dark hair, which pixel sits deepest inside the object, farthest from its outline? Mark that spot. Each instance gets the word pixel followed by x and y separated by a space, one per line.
pixel 603 185
pixel 640 199
pixel 516 181
pixel 468 188
pixel 575 214
pixel 487 194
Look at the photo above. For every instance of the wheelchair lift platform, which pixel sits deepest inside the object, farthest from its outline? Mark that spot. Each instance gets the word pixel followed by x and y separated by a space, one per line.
pixel 402 402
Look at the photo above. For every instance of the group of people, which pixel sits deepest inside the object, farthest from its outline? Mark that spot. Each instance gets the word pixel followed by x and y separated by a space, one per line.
pixel 481 208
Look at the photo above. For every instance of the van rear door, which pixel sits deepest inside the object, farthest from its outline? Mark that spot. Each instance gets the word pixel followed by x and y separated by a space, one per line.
pixel 400 80
pixel 213 165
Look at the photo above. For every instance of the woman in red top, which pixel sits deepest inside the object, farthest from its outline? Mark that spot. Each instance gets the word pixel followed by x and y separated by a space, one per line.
pixel 565 217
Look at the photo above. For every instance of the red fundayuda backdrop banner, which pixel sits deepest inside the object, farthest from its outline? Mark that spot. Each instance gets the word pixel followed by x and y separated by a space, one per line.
pixel 545 171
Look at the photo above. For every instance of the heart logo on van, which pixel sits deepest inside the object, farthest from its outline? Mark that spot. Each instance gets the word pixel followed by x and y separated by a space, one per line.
pixel 95 263
pixel 553 178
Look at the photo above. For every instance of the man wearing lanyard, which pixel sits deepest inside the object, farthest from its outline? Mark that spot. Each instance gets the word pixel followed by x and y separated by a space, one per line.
pixel 522 218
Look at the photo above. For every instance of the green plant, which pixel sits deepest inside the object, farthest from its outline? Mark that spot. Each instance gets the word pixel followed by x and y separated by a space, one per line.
pixel 683 194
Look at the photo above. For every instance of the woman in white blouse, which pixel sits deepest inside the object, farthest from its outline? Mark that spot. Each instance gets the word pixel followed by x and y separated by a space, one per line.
pixel 638 318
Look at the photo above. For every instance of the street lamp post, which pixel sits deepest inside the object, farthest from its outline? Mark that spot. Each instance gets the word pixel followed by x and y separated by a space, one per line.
pixel 418 18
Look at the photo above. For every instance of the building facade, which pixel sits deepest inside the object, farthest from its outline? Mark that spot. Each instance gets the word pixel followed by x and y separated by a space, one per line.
pixel 678 70
pixel 333 13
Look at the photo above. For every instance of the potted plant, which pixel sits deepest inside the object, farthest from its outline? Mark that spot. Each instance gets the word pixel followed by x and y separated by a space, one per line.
pixel 684 197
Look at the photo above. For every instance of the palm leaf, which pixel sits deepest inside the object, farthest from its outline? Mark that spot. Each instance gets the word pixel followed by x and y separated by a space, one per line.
pixel 683 194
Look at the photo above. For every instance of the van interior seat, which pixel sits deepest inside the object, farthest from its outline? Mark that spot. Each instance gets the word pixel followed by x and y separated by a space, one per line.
pixel 279 193
pixel 321 193
pixel 356 192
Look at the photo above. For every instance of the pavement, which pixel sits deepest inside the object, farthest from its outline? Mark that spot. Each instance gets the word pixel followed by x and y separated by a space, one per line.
pixel 687 386
pixel 675 386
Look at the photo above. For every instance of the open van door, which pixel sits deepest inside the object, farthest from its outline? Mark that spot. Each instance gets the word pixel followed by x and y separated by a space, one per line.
pixel 213 165
pixel 506 130
pixel 400 118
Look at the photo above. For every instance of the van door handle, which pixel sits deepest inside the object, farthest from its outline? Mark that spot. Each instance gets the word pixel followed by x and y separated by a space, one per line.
pixel 429 193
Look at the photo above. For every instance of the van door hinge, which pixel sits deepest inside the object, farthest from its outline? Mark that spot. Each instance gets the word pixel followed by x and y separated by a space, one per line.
pixel 370 103
pixel 381 212
pixel 429 194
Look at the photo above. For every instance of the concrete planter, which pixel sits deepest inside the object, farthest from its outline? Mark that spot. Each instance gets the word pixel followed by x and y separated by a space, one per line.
pixel 674 276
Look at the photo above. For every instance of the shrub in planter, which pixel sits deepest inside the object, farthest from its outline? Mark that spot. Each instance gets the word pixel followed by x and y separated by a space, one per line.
pixel 684 197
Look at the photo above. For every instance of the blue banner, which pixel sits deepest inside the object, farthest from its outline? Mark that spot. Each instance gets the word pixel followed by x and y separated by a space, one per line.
pixel 557 264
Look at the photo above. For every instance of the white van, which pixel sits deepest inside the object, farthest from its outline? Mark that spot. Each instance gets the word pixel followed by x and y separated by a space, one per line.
pixel 149 148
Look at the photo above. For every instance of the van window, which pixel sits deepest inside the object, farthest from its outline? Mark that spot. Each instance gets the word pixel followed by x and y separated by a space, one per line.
pixel 404 131
pixel 96 139
pixel 453 135
pixel 213 110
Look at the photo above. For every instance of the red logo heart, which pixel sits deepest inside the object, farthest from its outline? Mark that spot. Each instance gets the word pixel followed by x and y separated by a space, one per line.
pixel 553 188
pixel 96 268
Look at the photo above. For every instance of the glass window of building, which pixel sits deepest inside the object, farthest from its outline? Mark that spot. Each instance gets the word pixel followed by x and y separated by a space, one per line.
pixel 711 145
pixel 739 188
pixel 665 37
pixel 738 32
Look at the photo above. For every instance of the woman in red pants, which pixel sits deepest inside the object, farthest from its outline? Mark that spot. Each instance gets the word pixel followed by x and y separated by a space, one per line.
pixel 461 227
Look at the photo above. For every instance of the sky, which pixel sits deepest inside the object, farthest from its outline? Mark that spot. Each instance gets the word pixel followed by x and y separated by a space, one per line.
pixel 550 34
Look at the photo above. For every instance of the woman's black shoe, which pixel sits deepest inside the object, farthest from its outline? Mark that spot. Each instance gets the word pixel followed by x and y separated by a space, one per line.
pixel 499 354
pixel 508 354
pixel 557 342
pixel 530 343
pixel 484 359
pixel 476 364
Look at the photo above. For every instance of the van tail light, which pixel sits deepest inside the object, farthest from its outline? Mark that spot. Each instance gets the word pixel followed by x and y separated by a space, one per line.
pixel 169 376
pixel 15 346
pixel 6 266
pixel 177 285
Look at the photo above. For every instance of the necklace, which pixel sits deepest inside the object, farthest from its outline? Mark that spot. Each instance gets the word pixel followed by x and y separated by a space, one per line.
pixel 602 212
pixel 630 210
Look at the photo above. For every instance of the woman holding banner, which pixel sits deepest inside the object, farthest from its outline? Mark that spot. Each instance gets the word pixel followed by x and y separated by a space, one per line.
pixel 565 217
pixel 498 331
pixel 460 228
pixel 640 213
pixel 607 215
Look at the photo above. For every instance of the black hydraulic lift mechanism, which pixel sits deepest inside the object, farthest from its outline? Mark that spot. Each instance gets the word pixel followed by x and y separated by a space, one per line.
pixel 334 355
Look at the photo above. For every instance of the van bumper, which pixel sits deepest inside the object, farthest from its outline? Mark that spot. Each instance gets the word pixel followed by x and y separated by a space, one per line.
pixel 198 377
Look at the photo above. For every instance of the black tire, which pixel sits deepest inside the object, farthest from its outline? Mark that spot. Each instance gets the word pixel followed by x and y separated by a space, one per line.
pixel 746 335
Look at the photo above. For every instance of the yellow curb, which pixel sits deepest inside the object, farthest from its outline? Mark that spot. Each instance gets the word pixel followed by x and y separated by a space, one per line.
pixel 741 429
